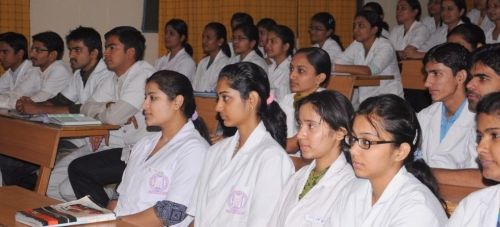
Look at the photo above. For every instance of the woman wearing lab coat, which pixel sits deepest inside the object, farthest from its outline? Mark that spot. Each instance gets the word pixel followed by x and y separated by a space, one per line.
pixel 322 34
pixel 324 119
pixel 243 175
pixel 370 54
pixel 245 45
pixel 482 208
pixel 493 34
pixel 214 43
pixel 385 135
pixel 160 176
pixel 309 72
pixel 279 47
pixel 179 54
pixel 410 32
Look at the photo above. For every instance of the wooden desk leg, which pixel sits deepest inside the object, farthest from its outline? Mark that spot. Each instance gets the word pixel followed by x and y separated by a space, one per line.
pixel 43 180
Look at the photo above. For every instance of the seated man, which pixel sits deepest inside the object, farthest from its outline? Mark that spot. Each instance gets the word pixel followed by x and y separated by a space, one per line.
pixel 20 78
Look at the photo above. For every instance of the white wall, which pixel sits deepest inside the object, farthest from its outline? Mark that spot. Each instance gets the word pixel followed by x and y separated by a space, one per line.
pixel 61 16
pixel 389 7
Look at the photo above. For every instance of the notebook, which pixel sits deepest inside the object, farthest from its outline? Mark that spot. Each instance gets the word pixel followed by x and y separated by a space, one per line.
pixel 72 119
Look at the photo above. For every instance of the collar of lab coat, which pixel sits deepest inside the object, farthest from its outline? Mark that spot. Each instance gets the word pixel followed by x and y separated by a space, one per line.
pixel 255 137
pixel 394 186
pixel 336 168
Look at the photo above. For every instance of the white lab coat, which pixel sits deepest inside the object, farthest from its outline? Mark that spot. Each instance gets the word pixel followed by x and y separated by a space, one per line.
pixel 480 208
pixel 429 23
pixel 489 37
pixel 279 78
pixel 437 37
pixel 171 174
pixel 415 36
pixel 404 202
pixel 315 207
pixel 251 57
pixel 474 16
pixel 206 78
pixel 382 60
pixel 182 63
pixel 55 78
pixel 27 82
pixel 242 190
pixel 458 148
pixel 332 48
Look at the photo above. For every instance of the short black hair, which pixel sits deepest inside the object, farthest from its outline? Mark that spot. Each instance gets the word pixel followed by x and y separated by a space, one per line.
pixel 52 41
pixel 131 38
pixel 17 41
pixel 453 55
pixel 489 55
pixel 89 36
pixel 489 104
pixel 471 33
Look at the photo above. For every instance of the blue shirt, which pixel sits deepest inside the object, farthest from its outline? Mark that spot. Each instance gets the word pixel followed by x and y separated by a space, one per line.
pixel 447 122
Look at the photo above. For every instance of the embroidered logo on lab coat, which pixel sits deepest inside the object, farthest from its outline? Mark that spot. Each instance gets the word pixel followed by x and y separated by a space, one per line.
pixel 158 183
pixel 237 202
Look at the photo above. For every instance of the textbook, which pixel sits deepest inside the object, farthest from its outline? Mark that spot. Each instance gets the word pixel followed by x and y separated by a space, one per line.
pixel 72 119
pixel 76 212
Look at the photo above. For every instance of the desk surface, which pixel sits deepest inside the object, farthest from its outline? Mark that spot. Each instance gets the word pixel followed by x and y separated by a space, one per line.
pixel 13 199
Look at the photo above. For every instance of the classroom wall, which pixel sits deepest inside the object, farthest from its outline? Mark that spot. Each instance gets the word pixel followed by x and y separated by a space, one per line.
pixel 62 16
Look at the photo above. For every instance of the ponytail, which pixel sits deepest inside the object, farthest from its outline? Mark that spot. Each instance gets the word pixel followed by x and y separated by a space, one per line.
pixel 200 125
pixel 220 33
pixel 188 48
pixel 225 49
pixel 337 39
pixel 275 121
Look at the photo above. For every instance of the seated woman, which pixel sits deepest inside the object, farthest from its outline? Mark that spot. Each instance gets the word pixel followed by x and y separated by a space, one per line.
pixel 469 36
pixel 392 189
pixel 263 26
pixel 377 8
pixel 493 34
pixel 161 174
pixel 322 34
pixel 214 43
pixel 324 119
pixel 245 45
pixel 243 175
pixel 370 54
pixel 482 208
pixel 179 57
pixel 309 72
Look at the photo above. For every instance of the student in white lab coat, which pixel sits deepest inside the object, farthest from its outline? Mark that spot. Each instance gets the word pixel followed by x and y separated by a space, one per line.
pixel 245 45
pixel 410 32
pixel 20 77
pixel 493 34
pixel 243 175
pixel 324 119
pixel 237 19
pixel 279 47
pixel 482 208
pixel 448 128
pixel 179 56
pixel 478 15
pixel 370 54
pixel 468 35
pixel 387 192
pixel 214 43
pixel 322 34
pixel 264 26
pixel 158 182
pixel 377 8
pixel 309 72
pixel 433 20
pixel 452 14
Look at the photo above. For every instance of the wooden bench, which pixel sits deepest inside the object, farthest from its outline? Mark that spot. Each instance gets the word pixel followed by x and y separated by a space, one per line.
pixel 345 84
pixel 205 106
pixel 412 76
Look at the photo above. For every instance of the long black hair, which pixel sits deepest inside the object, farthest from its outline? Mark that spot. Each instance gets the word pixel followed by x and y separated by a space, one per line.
pixel 246 77
pixel 181 27
pixel 373 19
pixel 320 60
pixel 286 35
pixel 328 21
pixel 377 8
pixel 173 84
pixel 398 118
pixel 220 33
pixel 252 33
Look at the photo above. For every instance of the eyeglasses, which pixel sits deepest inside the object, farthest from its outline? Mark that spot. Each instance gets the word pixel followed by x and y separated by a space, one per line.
pixel 363 143
pixel 316 29
pixel 239 38
pixel 38 50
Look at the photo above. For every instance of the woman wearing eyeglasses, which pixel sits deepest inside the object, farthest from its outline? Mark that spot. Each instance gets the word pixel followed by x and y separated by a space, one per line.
pixel 324 118
pixel 385 135
pixel 322 34
pixel 245 45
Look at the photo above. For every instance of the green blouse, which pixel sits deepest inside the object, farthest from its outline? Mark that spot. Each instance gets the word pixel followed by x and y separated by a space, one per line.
pixel 312 180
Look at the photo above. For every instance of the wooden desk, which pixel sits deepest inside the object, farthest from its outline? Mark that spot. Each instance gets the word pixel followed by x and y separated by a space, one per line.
pixel 13 199
pixel 345 84
pixel 37 143
pixel 205 106
pixel 412 76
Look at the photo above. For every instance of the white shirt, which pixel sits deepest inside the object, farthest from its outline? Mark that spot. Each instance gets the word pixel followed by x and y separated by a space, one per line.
pixel 242 190
pixel 251 57
pixel 24 81
pixel 279 78
pixel 332 48
pixel 55 78
pixel 182 63
pixel 79 93
pixel 170 174
pixel 126 90
pixel 480 208
pixel 206 78
pixel 430 23
pixel 437 37
pixel 382 60
pixel 489 37
pixel 415 36
pixel 475 15
pixel 314 208
pixel 457 150
pixel 404 202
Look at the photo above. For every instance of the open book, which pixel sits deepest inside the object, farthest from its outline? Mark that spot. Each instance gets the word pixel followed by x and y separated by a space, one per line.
pixel 76 212
pixel 72 119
